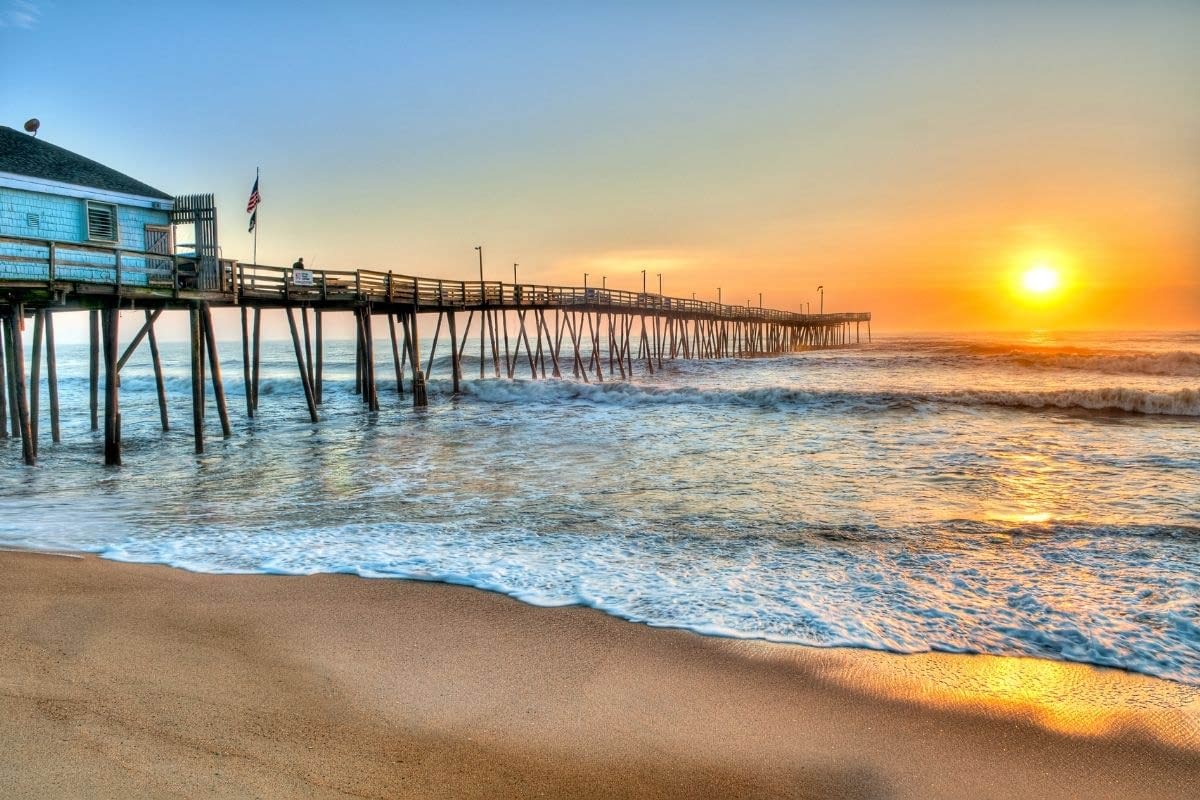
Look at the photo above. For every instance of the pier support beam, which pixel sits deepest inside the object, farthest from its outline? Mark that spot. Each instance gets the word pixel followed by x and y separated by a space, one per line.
pixel 308 353
pixel 16 370
pixel 370 388
pixel 197 378
pixel 256 356
pixel 112 413
pixel 159 383
pixel 52 378
pixel 94 366
pixel 420 399
pixel 308 392
pixel 214 362
pixel 35 377
pixel 246 384
pixel 455 363
pixel 396 355
pixel 5 394
pixel 319 382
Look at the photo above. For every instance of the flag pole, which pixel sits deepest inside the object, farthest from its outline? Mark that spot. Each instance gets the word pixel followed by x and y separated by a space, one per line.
pixel 256 221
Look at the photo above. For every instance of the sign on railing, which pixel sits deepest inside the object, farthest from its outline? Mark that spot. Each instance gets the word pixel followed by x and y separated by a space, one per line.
pixel 302 277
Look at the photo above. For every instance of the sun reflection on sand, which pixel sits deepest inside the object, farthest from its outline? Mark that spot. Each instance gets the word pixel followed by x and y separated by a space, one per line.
pixel 1066 698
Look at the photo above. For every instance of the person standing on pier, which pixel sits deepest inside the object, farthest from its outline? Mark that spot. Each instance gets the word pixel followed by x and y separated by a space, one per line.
pixel 299 264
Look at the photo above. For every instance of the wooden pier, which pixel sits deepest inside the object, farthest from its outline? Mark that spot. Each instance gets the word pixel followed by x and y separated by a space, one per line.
pixel 586 333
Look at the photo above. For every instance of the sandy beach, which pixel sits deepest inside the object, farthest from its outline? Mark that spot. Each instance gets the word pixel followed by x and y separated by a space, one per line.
pixel 122 680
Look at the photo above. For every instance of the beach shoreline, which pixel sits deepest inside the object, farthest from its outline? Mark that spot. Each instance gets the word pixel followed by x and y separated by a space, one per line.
pixel 121 680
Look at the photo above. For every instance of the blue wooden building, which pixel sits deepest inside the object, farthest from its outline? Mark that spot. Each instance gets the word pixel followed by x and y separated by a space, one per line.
pixel 60 198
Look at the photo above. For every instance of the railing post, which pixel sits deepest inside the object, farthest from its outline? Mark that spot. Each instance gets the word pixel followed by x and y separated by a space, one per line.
pixel 175 275
pixel 357 284
pixel 241 292
pixel 441 295
pixel 389 287
pixel 52 269
pixel 118 264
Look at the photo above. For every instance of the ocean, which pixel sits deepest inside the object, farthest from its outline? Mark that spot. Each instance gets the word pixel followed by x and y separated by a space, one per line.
pixel 1017 495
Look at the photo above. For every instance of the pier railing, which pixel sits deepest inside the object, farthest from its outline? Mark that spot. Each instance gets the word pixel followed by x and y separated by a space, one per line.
pixel 25 261
pixel 287 284
pixel 33 262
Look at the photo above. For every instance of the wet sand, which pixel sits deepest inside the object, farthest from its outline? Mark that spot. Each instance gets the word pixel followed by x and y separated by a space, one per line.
pixel 142 681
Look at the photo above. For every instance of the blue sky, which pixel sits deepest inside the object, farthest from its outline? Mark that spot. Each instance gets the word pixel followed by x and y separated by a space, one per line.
pixel 883 149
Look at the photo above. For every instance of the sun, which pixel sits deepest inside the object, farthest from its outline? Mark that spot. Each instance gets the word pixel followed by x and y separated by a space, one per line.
pixel 1040 279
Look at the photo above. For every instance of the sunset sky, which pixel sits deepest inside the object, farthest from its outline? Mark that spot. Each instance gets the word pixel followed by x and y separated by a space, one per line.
pixel 915 158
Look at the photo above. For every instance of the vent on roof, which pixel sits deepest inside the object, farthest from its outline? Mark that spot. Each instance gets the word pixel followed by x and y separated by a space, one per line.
pixel 33 220
pixel 102 222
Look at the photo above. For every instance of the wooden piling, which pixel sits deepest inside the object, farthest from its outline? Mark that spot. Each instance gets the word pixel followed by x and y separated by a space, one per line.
pixel 495 344
pixel 396 355
pixel 16 362
pixel 94 366
pixel 420 398
pixel 370 388
pixel 509 365
pixel 455 364
pixel 308 354
pixel 159 382
pixel 437 332
pixel 197 378
pixel 10 378
pixel 462 348
pixel 595 347
pixel 256 356
pixel 308 392
pixel 482 336
pixel 358 354
pixel 214 362
pixel 4 393
pixel 112 413
pixel 246 384
pixel 557 373
pixel 319 382
pixel 523 334
pixel 35 377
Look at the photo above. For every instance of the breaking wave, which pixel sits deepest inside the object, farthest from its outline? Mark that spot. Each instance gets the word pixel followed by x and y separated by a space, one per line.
pixel 1182 402
pixel 1178 363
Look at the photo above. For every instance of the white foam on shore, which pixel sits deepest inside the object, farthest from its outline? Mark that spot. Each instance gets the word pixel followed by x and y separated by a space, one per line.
pixel 885 596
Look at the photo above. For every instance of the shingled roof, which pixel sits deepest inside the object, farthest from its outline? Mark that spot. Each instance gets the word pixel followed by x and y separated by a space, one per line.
pixel 22 154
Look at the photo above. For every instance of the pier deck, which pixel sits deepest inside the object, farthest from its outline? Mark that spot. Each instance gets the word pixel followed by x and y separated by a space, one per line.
pixel 607 332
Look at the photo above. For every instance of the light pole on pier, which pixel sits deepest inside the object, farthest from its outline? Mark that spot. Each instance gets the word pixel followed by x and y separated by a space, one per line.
pixel 643 281
pixel 603 281
pixel 821 289
pixel 718 295
pixel 760 301
pixel 514 272
pixel 585 281
pixel 660 284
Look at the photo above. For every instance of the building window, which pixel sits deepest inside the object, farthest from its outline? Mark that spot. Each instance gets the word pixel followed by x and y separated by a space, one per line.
pixel 33 220
pixel 101 222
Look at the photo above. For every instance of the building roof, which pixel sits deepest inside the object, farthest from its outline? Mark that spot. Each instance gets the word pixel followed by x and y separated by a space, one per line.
pixel 22 154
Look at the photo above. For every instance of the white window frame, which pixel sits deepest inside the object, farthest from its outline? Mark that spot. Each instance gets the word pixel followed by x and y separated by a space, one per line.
pixel 87 221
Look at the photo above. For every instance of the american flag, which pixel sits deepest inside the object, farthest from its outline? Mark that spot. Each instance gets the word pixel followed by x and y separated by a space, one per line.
pixel 255 198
